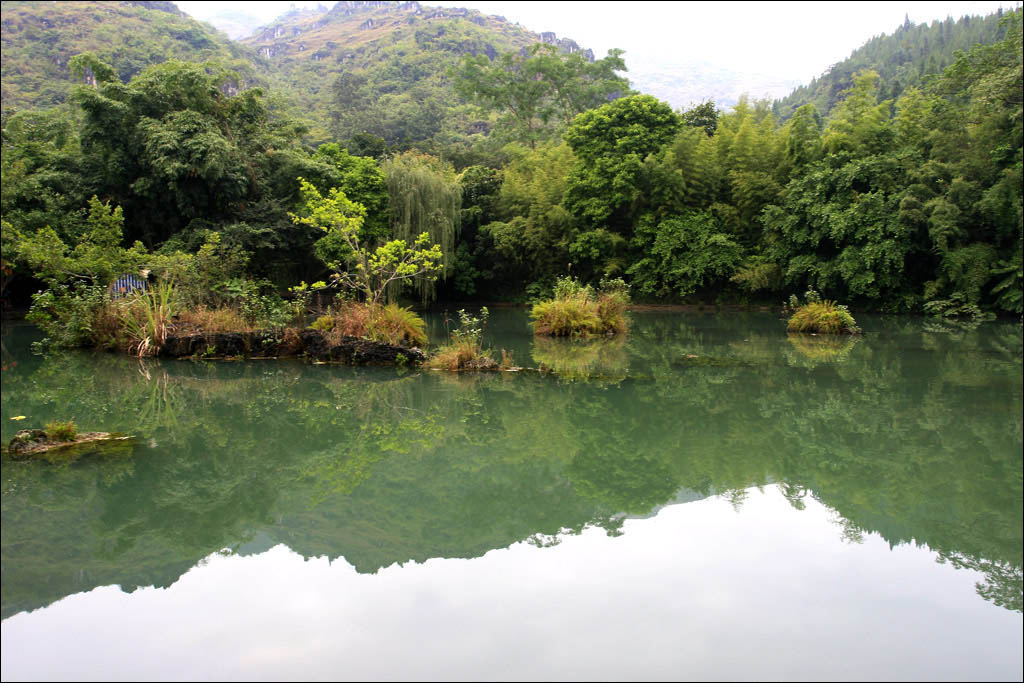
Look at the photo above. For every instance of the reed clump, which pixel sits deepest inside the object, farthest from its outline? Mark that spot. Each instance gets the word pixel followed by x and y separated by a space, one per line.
pixel 819 316
pixel 576 310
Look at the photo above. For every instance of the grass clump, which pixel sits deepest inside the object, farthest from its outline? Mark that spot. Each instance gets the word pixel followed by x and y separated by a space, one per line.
pixel 395 325
pixel 818 316
pixel 61 431
pixel 146 319
pixel 210 320
pixel 324 323
pixel 390 324
pixel 465 350
pixel 576 310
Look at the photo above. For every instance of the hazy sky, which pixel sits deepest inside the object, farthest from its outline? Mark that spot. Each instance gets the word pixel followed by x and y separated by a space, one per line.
pixel 793 40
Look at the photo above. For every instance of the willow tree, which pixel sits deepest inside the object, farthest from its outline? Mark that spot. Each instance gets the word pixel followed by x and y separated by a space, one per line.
pixel 424 196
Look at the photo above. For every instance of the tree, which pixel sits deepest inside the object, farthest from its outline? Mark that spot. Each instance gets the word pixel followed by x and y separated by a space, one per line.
pixel 424 198
pixel 703 115
pixel 539 87
pixel 682 254
pixel 611 144
pixel 363 181
pixel 369 272
pixel 529 240
pixel 860 123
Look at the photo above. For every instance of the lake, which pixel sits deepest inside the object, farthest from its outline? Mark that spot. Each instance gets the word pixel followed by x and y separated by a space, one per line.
pixel 707 499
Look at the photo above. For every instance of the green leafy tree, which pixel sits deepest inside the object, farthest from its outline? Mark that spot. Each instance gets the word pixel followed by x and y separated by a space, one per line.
pixel 683 254
pixel 540 87
pixel 424 196
pixel 703 115
pixel 529 240
pixel 611 144
pixel 369 271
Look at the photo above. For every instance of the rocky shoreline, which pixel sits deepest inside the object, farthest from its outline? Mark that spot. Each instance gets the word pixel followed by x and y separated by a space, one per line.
pixel 307 343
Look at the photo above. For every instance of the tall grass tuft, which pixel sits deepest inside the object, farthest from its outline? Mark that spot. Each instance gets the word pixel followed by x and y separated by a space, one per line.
pixel 390 324
pixel 395 325
pixel 577 311
pixel 147 317
pixel 211 320
pixel 61 431
pixel 465 350
pixel 823 317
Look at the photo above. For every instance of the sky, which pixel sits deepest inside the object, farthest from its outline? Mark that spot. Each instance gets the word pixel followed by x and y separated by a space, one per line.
pixel 789 40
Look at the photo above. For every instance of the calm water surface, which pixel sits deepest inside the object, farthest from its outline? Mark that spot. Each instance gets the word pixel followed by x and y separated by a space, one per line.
pixel 709 499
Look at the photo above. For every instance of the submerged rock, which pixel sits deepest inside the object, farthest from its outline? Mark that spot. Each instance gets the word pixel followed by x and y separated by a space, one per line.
pixel 34 443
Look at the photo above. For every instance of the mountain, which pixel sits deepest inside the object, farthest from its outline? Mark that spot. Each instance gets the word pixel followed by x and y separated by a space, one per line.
pixel 906 58
pixel 382 68
pixel 38 39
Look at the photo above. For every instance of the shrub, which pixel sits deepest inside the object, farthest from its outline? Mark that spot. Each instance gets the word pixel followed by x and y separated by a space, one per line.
pixel 351 319
pixel 823 317
pixel 391 324
pixel 66 313
pixel 466 352
pixel 612 302
pixel 146 319
pixel 565 318
pixel 957 307
pixel 576 311
pixel 61 431
pixel 324 323
pixel 395 325
pixel 461 356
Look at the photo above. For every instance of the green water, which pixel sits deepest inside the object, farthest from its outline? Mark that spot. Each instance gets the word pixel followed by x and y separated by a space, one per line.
pixel 708 499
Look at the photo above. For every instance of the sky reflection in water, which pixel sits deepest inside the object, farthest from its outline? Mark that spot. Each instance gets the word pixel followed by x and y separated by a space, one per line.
pixel 710 499
pixel 699 592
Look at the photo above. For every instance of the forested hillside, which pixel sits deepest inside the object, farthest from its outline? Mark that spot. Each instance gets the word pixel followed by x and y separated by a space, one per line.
pixel 523 161
pixel 39 39
pixel 381 70
pixel 903 59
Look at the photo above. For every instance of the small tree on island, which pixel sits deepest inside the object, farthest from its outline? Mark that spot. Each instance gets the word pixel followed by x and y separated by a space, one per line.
pixel 369 271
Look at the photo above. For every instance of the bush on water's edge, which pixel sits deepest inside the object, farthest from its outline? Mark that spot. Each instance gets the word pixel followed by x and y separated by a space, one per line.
pixel 818 316
pixel 578 311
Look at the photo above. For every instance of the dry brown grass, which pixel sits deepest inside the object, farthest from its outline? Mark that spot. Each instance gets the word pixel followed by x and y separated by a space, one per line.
pixel 389 324
pixel 351 319
pixel 202 319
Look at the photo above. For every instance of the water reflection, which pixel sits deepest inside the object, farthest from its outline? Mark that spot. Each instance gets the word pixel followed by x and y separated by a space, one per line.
pixel 909 433
pixel 597 360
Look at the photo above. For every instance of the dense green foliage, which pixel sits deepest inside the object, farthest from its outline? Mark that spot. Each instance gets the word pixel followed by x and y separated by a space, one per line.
pixel 910 204
pixel 540 89
pixel 41 38
pixel 368 271
pixel 906 58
